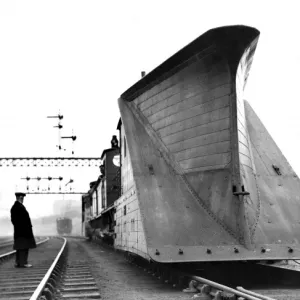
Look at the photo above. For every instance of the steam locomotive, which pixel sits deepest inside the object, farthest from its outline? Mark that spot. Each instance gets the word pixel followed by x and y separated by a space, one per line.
pixel 64 225
pixel 196 177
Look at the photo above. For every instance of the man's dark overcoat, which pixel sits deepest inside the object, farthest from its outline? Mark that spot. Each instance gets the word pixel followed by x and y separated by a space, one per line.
pixel 23 235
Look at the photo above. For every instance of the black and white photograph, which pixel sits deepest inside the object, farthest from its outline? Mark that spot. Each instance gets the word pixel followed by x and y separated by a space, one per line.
pixel 149 150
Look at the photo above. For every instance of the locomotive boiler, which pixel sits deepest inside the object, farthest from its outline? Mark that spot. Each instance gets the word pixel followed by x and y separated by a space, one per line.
pixel 200 178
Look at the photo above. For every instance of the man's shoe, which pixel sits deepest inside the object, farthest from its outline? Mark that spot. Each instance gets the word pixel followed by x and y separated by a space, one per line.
pixel 26 266
pixel 17 266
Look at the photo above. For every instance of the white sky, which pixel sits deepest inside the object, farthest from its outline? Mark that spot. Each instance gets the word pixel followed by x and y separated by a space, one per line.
pixel 79 56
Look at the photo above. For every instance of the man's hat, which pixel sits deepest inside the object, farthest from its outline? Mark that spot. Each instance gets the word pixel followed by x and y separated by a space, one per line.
pixel 20 194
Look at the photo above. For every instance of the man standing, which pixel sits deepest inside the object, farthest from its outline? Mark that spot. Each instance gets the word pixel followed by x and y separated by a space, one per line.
pixel 23 235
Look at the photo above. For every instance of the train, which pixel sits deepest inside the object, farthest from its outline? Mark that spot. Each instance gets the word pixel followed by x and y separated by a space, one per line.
pixel 64 225
pixel 194 176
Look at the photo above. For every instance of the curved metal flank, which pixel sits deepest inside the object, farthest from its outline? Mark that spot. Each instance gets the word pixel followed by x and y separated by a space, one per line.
pixel 230 40
pixel 211 183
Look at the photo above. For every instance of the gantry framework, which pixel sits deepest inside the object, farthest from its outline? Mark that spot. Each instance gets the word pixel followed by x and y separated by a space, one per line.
pixel 50 161
pixel 72 162
pixel 55 193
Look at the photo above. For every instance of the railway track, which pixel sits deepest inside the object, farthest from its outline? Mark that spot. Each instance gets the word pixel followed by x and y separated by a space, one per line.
pixel 5 240
pixel 259 281
pixel 30 283
pixel 6 246
pixel 77 281
pixel 76 269
pixel 60 271
pixel 7 243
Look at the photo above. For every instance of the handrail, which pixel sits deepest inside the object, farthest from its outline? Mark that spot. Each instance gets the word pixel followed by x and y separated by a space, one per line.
pixel 37 293
pixel 227 289
pixel 12 252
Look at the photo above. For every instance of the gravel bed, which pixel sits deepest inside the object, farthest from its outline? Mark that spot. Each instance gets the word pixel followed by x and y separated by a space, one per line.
pixel 118 279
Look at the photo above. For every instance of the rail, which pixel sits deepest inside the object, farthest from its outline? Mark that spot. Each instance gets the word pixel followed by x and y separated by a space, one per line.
pixel 205 288
pixel 240 292
pixel 6 255
pixel 37 293
pixel 254 294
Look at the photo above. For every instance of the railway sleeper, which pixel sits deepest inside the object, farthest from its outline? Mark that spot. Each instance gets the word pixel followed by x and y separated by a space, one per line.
pixel 47 294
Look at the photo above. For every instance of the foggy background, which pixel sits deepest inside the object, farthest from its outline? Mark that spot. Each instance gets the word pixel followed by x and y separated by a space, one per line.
pixel 46 225
pixel 78 57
